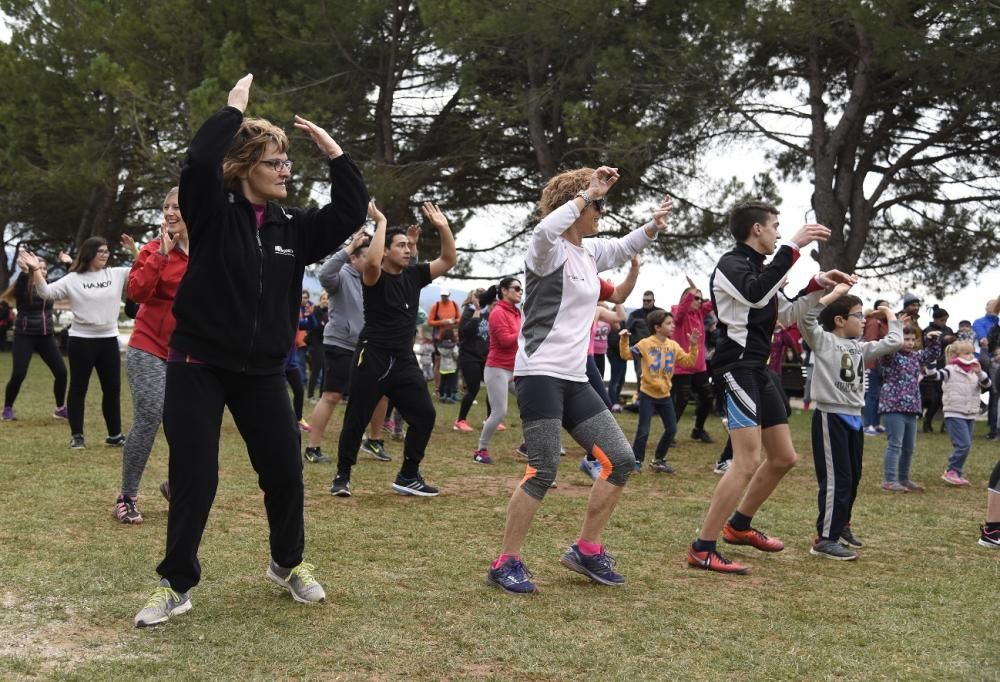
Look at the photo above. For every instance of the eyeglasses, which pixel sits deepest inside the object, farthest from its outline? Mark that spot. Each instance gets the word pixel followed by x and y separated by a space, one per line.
pixel 857 316
pixel 278 165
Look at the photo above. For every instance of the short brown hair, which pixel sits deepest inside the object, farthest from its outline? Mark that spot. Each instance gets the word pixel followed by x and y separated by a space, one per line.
pixel 248 148
pixel 657 317
pixel 746 214
pixel 562 188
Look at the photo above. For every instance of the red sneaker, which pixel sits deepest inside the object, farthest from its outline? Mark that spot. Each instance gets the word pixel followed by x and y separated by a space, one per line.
pixel 752 537
pixel 713 561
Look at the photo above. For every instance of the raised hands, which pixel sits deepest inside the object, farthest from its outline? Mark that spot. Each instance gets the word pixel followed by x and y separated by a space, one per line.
pixel 374 214
pixel 239 96
pixel 601 181
pixel 357 240
pixel 168 240
pixel 413 233
pixel 129 243
pixel 838 291
pixel 326 144
pixel 434 215
pixel 831 278
pixel 64 258
pixel 810 233
pixel 661 214
pixel 887 313
pixel 28 261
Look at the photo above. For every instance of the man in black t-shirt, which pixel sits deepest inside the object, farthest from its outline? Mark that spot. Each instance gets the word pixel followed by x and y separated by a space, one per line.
pixel 384 363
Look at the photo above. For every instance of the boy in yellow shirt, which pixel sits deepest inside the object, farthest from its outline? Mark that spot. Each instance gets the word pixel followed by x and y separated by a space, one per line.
pixel 658 353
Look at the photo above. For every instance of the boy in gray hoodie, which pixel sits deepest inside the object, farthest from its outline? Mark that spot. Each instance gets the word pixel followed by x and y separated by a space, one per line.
pixel 833 329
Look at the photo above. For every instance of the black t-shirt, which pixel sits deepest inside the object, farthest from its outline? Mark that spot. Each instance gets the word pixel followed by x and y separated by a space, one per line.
pixel 391 307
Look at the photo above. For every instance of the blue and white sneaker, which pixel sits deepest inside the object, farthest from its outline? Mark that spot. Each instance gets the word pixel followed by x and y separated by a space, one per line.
pixel 599 567
pixel 512 576
pixel 591 467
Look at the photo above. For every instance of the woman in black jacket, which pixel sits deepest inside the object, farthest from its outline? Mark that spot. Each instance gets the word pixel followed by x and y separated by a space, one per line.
pixel 33 334
pixel 248 253
pixel 474 345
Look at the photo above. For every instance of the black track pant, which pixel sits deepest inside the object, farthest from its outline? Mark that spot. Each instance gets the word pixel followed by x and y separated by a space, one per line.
pixel 837 451
pixel 195 397
pixel 294 378
pixel 698 386
pixel 376 373
pixel 472 372
pixel 86 355
pixel 24 347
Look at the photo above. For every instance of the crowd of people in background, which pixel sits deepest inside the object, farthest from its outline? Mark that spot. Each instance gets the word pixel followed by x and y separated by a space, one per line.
pixel 559 339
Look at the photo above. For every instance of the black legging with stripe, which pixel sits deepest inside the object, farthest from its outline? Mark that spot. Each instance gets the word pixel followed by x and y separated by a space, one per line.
pixel 25 345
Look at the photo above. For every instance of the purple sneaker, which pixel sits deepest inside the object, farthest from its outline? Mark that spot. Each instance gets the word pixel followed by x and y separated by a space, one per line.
pixel 60 413
pixel 8 414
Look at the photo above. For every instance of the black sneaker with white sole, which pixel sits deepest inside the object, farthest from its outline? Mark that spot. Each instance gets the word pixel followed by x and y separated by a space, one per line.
pixel 115 441
pixel 847 539
pixel 414 486
pixel 316 456
pixel 341 486
pixel 829 549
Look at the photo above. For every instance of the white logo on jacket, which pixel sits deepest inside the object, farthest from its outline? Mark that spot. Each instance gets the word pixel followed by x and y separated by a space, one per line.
pixel 282 251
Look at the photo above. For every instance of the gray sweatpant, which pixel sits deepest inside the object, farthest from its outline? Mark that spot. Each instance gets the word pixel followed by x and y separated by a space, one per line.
pixel 146 379
pixel 498 383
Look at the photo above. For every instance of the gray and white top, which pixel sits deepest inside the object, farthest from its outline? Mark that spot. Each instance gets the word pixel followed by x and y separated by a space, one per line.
pixel 347 315
pixel 95 297
pixel 561 291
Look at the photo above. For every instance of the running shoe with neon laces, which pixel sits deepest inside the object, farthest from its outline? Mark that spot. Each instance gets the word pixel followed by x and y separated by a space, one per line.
pixel 461 425
pixel 8 414
pixel 828 549
pixel 598 567
pixel 713 561
pixel 299 582
pixel 115 441
pixel 341 486
pixel 304 426
pixel 989 538
pixel 847 538
pixel 482 457
pixel 414 486
pixel 162 604
pixel 376 449
pixel 512 576
pixel 316 456
pixel 126 510
pixel 752 537
pixel 60 413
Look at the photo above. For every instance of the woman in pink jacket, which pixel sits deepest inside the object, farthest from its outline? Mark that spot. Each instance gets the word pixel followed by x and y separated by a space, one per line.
pixel 689 315
pixel 504 325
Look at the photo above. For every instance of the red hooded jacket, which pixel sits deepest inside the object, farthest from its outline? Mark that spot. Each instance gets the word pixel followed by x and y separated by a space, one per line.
pixel 505 324
pixel 686 319
pixel 153 283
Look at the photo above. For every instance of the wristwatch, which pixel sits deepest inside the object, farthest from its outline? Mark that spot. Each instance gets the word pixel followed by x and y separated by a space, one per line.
pixel 587 201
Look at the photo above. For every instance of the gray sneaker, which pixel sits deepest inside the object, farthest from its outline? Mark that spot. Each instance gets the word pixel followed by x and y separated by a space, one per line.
pixel 299 582
pixel 832 550
pixel 721 467
pixel 376 449
pixel 163 603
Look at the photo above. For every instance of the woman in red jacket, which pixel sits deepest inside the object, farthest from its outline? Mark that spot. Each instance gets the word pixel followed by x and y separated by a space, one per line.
pixel 504 325
pixel 152 283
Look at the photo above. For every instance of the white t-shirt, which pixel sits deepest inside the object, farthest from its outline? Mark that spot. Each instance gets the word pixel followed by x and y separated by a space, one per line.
pixel 561 291
pixel 95 298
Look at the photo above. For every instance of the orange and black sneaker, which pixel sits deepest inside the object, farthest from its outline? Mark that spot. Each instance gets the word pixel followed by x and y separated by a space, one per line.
pixel 713 561
pixel 752 537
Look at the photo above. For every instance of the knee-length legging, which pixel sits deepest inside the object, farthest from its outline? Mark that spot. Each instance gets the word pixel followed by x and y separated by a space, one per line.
pixel 499 382
pixel 24 347
pixel 147 376
pixel 86 355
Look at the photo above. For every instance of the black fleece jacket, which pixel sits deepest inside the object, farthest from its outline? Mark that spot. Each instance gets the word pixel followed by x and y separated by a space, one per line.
pixel 237 306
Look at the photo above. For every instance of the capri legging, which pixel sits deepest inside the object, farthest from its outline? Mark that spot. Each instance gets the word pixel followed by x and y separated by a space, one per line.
pixel 147 377
pixel 25 346
pixel 548 405
pixel 498 383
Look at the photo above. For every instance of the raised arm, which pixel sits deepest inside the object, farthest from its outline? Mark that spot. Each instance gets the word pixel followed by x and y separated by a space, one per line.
pixel 625 287
pixel 371 265
pixel 449 256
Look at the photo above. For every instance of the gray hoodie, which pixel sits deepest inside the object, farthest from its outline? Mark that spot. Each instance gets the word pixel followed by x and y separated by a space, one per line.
pixel 347 313
pixel 839 363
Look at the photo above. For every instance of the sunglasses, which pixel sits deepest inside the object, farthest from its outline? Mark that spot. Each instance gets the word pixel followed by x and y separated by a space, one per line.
pixel 517 289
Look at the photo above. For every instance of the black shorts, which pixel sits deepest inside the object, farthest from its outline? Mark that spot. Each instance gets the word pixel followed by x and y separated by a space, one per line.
pixel 751 398
pixel 337 363
pixel 544 397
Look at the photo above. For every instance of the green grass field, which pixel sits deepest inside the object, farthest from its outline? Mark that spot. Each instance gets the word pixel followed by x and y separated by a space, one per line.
pixel 404 576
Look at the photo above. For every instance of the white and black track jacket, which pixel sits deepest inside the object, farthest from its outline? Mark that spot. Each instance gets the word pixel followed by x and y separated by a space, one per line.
pixel 748 301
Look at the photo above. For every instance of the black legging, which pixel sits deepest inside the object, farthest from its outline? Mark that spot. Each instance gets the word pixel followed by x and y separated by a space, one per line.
pixel 472 372
pixel 24 347
pixel 316 360
pixel 699 386
pixel 86 355
pixel 294 377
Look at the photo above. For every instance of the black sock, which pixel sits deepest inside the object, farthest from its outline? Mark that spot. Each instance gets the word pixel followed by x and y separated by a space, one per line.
pixel 740 521
pixel 704 545
pixel 992 525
